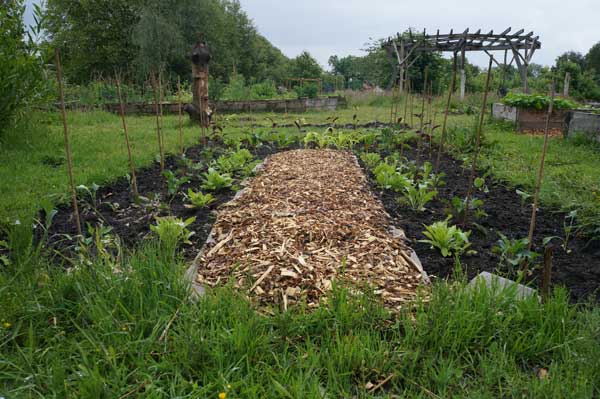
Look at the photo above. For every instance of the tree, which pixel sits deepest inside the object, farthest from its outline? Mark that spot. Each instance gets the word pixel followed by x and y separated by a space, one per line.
pixel 592 61
pixel 95 36
pixel 22 77
pixel 305 66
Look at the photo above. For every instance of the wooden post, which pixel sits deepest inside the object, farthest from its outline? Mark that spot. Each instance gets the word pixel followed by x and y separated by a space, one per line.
pixel 158 134
pixel 538 185
pixel 567 84
pixel 180 116
pixel 423 94
pixel 401 82
pixel 477 143
pixel 134 187
pixel 406 100
pixel 463 76
pixel 445 123
pixel 63 114
pixel 547 273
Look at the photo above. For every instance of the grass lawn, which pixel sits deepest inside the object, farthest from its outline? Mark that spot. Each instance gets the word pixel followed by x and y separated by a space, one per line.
pixel 94 333
pixel 32 157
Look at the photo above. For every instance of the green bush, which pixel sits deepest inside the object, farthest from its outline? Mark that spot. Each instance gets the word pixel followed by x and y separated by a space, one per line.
pixel 537 101
pixel 310 90
pixel 22 78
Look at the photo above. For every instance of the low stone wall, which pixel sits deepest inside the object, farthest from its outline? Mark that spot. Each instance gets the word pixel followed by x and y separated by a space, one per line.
pixel 295 105
pixel 504 112
pixel 581 122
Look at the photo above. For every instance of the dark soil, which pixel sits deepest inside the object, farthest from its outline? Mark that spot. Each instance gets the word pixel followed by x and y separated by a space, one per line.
pixel 579 270
pixel 131 221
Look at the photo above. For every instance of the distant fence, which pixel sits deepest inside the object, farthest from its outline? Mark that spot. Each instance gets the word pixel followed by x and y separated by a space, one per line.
pixel 569 122
pixel 298 105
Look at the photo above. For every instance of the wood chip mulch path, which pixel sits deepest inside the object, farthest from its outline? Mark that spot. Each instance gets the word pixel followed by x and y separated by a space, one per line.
pixel 306 219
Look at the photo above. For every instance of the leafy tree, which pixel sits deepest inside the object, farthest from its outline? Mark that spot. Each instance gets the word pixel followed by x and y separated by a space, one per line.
pixel 592 61
pixel 95 36
pixel 22 77
pixel 305 66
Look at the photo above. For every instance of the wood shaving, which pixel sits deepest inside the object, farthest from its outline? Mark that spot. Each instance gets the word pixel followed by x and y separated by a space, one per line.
pixel 308 219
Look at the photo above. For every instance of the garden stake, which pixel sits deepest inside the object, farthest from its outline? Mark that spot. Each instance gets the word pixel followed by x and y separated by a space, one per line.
pixel 158 135
pixel 160 111
pixel 406 98
pixel 540 176
pixel 547 274
pixel 477 143
pixel 411 108
pixel 423 94
pixel 445 123
pixel 429 112
pixel 180 116
pixel 66 139
pixel 136 194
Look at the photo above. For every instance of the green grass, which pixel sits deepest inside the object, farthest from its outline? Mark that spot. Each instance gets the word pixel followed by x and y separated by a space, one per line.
pixel 96 333
pixel 570 179
pixel 98 150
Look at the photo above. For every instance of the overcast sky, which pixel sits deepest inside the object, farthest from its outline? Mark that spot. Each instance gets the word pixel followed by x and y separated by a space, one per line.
pixel 342 27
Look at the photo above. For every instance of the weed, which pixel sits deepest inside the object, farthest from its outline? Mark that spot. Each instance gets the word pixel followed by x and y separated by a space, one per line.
pixel 171 231
pixel 514 252
pixel 174 182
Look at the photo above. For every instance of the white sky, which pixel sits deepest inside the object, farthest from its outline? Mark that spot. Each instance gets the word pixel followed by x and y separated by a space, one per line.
pixel 342 27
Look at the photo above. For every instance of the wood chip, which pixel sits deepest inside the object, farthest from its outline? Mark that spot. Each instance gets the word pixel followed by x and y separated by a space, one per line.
pixel 305 215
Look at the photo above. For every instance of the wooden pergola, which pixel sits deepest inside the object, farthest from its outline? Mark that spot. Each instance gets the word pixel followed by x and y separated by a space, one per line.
pixel 403 50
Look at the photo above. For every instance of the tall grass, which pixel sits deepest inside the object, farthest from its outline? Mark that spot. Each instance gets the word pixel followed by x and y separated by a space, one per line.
pixel 130 329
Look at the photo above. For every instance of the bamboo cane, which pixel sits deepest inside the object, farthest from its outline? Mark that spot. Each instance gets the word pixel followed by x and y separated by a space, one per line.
pixel 540 176
pixel 134 187
pixel 477 143
pixel 158 134
pixel 180 116
pixel 445 123
pixel 424 95
pixel 66 141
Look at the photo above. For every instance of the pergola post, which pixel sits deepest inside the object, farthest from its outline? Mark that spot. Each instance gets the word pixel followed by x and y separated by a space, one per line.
pixel 463 75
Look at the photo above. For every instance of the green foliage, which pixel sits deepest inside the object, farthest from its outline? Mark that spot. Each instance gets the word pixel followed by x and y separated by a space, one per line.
pixel 308 90
pixel 199 200
pixel 371 159
pixel 174 182
pixel 305 66
pixel 93 323
pixel 138 36
pixel 22 77
pixel 417 195
pixel 234 162
pixel 320 140
pixel 215 181
pixel 537 101
pixel 449 240
pixel 172 231
pixel 514 252
pixel 459 207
